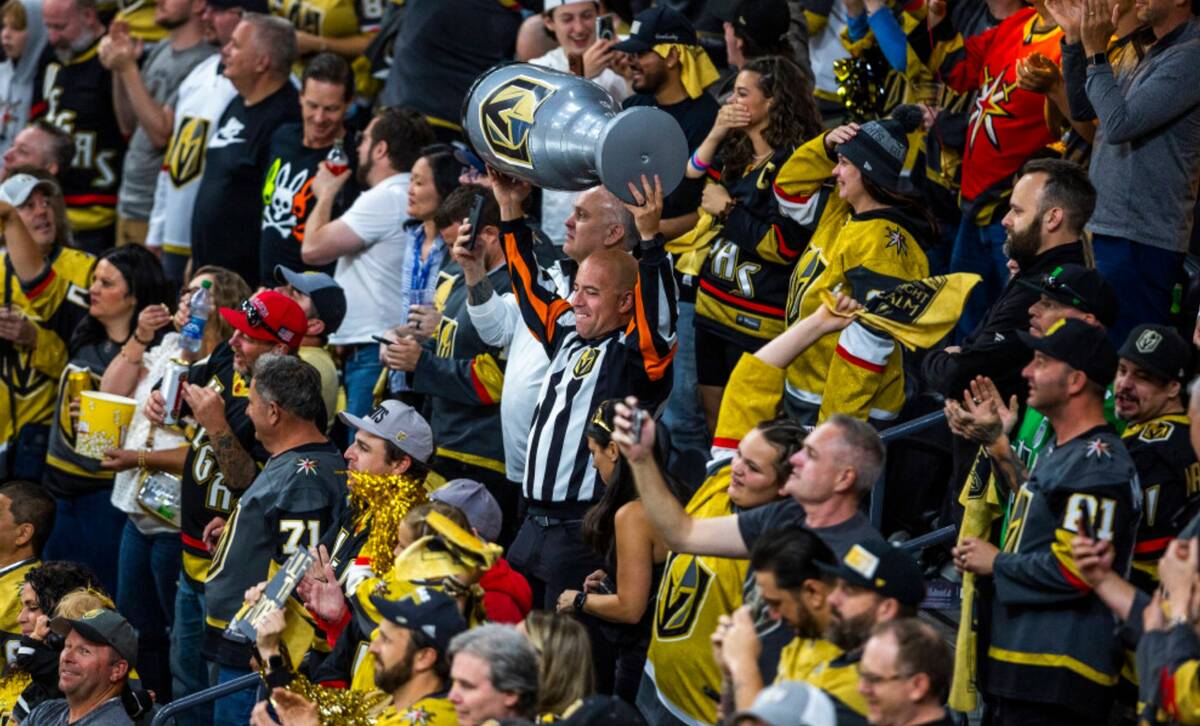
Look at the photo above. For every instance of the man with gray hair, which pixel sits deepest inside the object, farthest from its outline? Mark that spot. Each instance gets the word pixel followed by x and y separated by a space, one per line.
pixel 831 474
pixel 290 504
pixel 598 221
pixel 73 91
pixel 257 61
pixel 493 675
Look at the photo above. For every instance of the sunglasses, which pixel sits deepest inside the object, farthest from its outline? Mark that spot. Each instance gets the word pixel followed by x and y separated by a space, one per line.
pixel 1054 285
pixel 255 320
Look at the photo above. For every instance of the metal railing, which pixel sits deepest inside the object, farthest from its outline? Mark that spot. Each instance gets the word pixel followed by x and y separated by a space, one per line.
pixel 888 435
pixel 170 712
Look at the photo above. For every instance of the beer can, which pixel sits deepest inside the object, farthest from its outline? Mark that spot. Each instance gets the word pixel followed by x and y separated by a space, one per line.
pixel 173 382
pixel 77 383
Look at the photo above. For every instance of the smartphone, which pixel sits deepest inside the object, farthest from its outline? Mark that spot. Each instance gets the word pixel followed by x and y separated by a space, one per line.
pixel 639 420
pixel 606 27
pixel 382 340
pixel 474 219
pixel 1085 525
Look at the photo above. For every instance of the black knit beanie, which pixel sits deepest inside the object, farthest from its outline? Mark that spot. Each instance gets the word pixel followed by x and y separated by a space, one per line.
pixel 880 149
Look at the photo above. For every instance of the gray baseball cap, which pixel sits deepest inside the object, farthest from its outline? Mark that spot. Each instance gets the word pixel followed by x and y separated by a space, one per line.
pixel 17 188
pixel 475 501
pixel 790 703
pixel 103 626
pixel 398 423
pixel 328 297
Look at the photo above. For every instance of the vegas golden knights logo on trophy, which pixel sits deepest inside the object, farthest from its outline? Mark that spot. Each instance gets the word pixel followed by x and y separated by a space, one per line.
pixel 562 132
pixel 506 117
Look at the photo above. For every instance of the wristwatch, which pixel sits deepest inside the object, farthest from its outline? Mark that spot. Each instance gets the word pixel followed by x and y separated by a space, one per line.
pixel 580 599
pixel 1097 59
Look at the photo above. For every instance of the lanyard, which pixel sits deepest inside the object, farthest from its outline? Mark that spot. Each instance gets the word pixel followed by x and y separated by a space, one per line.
pixel 419 278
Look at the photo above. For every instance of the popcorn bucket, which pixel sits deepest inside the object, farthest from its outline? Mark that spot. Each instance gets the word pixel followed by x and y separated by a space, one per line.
pixel 103 421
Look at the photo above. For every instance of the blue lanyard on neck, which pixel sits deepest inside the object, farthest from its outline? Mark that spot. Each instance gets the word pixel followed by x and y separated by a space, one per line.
pixel 419 279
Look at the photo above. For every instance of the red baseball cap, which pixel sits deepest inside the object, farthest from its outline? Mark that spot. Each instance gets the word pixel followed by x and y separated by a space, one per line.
pixel 269 316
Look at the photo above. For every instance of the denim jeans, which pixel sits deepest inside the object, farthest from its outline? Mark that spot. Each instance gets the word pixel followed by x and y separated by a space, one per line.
pixel 87 530
pixel 684 416
pixel 148 577
pixel 1143 276
pixel 234 709
pixel 189 671
pixel 361 371
pixel 980 250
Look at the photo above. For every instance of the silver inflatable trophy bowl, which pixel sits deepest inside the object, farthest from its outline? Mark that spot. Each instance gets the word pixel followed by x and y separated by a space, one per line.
pixel 559 131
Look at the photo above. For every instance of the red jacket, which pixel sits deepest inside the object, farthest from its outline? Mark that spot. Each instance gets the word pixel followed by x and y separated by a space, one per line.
pixel 506 594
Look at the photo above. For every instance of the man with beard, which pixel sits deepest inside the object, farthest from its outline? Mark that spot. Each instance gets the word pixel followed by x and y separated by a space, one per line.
pixel 411 661
pixel 73 91
pixel 875 583
pixel 141 97
pixel 369 240
pixel 664 63
pixel 1050 204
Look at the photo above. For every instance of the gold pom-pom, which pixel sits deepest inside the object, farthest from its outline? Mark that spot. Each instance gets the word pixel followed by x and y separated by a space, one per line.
pixel 342 706
pixel 382 501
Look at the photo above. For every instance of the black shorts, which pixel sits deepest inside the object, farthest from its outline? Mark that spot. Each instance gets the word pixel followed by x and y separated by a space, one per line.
pixel 715 358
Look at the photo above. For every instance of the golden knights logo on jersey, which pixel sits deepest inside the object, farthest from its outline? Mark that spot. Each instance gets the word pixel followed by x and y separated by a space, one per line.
pixel 506 117
pixel 585 364
pixel 808 268
pixel 681 598
pixel 184 160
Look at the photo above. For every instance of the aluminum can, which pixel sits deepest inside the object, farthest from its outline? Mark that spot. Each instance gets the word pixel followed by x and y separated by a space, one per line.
pixel 173 382
pixel 77 383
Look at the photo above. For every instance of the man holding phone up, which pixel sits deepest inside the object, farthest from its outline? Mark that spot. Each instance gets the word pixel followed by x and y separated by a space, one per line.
pixel 583 53
pixel 1051 654
pixel 459 373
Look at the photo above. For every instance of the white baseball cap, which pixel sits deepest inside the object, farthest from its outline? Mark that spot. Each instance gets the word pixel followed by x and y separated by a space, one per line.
pixel 17 188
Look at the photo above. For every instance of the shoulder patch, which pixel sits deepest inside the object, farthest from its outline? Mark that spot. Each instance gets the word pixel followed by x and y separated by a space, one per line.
pixel 896 240
pixel 1098 449
pixel 307 466
pixel 1156 431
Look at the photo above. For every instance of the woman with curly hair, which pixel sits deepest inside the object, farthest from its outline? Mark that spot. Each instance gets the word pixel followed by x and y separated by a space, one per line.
pixel 742 249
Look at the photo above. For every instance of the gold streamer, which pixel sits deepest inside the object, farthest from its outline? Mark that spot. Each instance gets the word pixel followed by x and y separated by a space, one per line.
pixel 12 684
pixel 342 706
pixel 382 501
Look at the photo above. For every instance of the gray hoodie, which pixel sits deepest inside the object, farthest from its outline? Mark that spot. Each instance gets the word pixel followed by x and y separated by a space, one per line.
pixel 16 77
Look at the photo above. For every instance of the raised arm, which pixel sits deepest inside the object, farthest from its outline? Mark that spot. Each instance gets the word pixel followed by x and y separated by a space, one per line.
pixel 547 315
pixel 28 262
pixel 717 536
pixel 655 310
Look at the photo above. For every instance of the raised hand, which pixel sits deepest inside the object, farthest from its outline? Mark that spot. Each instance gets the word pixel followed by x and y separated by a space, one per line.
pixel 647 207
pixel 638 451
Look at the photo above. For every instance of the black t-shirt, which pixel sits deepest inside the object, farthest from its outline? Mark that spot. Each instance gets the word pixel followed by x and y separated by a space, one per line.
pixel 787 512
pixel 696 117
pixel 288 200
pixel 226 221
pixel 77 97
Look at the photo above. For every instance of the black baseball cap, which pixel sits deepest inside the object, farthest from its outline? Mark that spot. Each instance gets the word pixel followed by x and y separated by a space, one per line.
pixel 250 6
pixel 656 25
pixel 877 565
pixel 766 22
pixel 328 297
pixel 103 626
pixel 432 613
pixel 1080 287
pixel 1160 350
pixel 1083 347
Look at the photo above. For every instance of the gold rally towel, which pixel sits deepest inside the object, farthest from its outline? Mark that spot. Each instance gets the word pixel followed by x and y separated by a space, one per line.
pixel 918 313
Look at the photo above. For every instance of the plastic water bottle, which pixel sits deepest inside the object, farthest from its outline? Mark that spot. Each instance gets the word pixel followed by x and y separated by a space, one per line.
pixel 200 307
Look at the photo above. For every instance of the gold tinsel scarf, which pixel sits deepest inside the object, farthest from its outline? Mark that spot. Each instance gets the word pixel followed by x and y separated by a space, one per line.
pixel 382 502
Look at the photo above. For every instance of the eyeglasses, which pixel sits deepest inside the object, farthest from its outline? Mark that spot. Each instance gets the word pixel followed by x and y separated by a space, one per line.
pixel 1051 283
pixel 874 679
pixel 255 320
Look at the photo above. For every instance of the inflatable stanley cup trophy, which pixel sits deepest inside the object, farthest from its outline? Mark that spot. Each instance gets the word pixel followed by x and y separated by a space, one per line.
pixel 559 131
